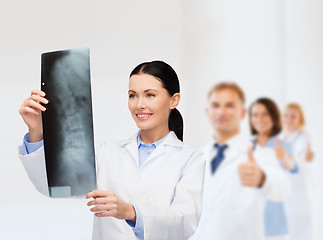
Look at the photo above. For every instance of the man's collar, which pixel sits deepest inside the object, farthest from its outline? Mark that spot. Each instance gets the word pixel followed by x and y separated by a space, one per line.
pixel 238 141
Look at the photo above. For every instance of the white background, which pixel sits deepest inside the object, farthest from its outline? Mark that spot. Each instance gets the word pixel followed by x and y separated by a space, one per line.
pixel 271 48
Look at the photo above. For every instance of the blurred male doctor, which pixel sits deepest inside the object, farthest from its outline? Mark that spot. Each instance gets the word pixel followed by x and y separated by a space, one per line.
pixel 237 180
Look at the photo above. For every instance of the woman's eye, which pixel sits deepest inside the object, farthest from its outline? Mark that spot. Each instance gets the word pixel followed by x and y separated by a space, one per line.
pixel 132 96
pixel 150 95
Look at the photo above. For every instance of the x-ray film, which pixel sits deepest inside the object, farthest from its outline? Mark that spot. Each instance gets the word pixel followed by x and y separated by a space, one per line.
pixel 67 122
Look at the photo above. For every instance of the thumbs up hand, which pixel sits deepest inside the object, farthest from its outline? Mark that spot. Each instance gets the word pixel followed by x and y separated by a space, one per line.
pixel 287 160
pixel 249 172
pixel 309 154
pixel 279 150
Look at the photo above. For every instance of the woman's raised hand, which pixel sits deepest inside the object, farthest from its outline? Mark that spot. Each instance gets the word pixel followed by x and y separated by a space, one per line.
pixel 309 154
pixel 279 150
pixel 30 110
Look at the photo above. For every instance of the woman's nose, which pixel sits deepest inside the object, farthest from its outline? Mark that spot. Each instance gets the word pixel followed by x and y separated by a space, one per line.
pixel 141 103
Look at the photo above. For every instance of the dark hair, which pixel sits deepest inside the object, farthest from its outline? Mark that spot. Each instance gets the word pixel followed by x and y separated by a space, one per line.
pixel 168 77
pixel 274 114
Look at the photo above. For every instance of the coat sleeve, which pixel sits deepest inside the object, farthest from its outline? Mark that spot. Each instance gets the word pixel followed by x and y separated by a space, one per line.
pixel 180 219
pixel 277 186
pixel 34 164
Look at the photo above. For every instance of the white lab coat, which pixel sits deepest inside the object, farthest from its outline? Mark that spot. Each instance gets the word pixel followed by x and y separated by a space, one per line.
pixel 300 207
pixel 231 211
pixel 167 188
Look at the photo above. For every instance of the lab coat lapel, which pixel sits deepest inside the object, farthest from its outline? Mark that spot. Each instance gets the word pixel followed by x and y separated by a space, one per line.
pixel 170 140
pixel 156 153
pixel 237 150
pixel 131 146
pixel 239 147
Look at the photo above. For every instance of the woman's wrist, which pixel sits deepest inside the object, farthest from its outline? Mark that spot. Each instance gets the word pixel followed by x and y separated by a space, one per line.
pixel 131 213
pixel 35 135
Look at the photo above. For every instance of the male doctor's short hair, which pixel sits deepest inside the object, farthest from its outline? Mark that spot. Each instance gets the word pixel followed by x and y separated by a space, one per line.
pixel 228 85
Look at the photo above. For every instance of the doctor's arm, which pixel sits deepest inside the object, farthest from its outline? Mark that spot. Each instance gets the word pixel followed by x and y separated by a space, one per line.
pixel 283 154
pixel 179 220
pixel 276 186
pixel 108 204
pixel 31 151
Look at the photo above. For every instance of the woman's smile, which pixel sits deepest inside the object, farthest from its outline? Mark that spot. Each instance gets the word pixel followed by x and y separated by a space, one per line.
pixel 142 116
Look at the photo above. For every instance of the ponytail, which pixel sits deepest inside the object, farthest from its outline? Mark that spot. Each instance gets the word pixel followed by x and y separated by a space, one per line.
pixel 175 123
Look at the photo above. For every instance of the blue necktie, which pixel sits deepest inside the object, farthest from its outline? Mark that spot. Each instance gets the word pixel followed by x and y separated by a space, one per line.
pixel 216 161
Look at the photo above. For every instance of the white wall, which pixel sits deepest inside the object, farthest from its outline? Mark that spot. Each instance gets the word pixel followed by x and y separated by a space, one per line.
pixel 271 48
pixel 238 41
pixel 304 78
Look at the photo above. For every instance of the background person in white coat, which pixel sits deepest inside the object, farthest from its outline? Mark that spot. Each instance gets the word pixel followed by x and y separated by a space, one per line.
pixel 300 207
pixel 265 125
pixel 150 185
pixel 237 180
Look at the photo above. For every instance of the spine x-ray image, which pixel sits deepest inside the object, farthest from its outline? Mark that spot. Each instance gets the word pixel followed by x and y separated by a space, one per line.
pixel 67 122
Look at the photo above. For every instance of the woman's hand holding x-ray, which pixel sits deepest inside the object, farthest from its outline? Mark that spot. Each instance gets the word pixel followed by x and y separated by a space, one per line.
pixel 30 110
pixel 108 204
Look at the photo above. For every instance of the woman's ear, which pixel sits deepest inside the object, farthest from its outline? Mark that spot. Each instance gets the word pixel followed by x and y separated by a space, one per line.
pixel 175 100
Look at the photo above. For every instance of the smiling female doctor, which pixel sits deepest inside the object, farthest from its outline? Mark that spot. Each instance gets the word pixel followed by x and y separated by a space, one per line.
pixel 265 126
pixel 300 207
pixel 150 186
